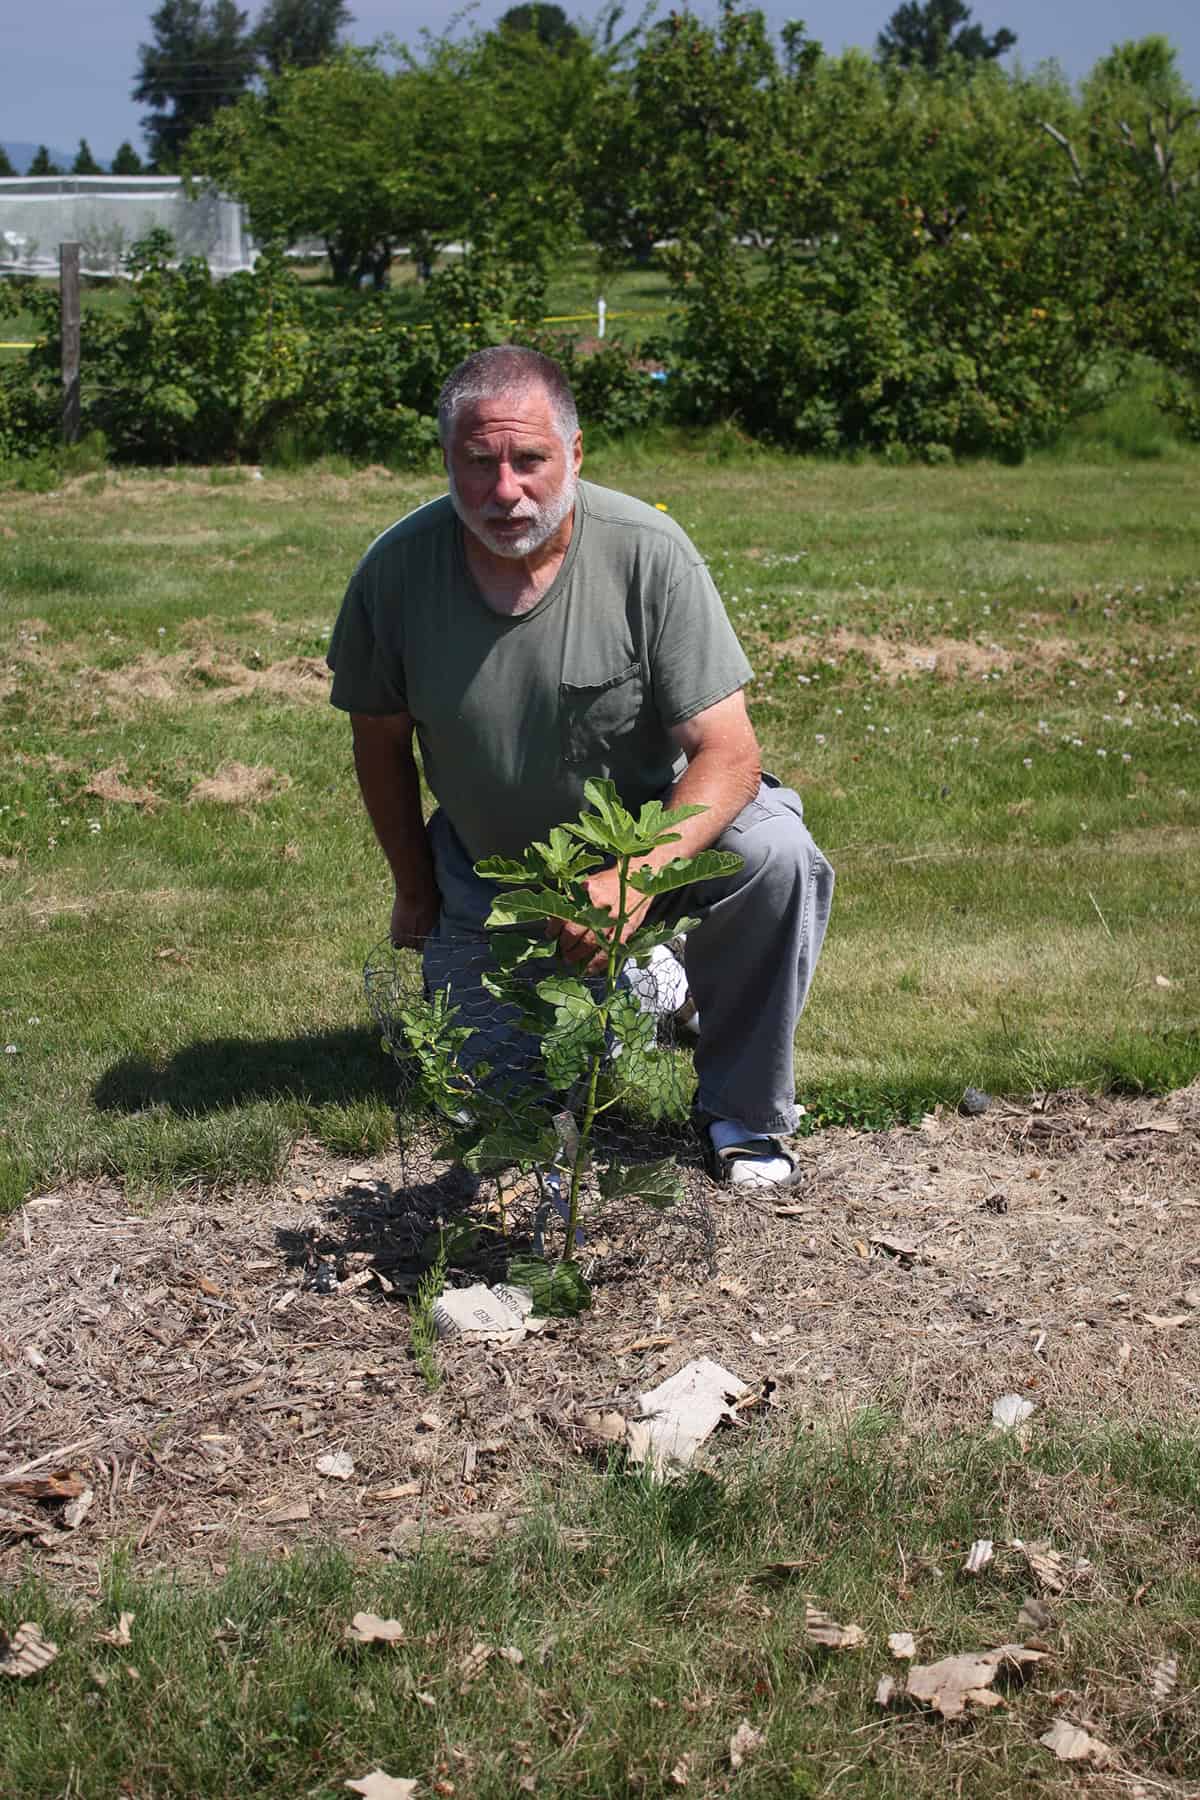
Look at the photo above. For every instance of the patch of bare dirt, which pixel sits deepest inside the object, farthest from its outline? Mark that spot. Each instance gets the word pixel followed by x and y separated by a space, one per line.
pixel 189 1366
pixel 208 676
pixel 240 784
pixel 949 659
pixel 110 784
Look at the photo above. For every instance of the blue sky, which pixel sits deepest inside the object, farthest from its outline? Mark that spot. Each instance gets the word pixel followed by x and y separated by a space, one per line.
pixel 67 65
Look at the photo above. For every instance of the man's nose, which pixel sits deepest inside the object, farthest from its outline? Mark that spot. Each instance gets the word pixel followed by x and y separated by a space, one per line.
pixel 507 489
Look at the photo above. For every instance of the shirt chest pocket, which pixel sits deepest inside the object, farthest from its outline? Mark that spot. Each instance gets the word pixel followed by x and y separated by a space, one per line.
pixel 596 717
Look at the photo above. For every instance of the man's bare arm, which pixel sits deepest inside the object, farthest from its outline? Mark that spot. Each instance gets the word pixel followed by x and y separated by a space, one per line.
pixel 722 776
pixel 391 791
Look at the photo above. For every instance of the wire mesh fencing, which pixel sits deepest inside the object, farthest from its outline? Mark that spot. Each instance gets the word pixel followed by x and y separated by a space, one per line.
pixel 644 1086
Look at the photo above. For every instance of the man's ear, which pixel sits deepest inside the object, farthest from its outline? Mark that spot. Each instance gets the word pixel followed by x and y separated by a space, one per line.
pixel 577 452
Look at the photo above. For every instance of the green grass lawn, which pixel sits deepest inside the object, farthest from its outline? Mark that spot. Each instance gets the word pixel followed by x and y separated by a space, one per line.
pixel 1014 829
pixel 614 1644
pixel 983 681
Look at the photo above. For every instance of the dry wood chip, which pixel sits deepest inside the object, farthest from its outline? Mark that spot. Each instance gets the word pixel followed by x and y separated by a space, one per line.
pixel 59 1484
pixel 369 1628
pixel 661 1342
pixel 1071 1744
pixel 379 1786
pixel 77 1510
pixel 1167 1321
pixel 26 1652
pixel 885 1691
pixel 604 1427
pixel 891 1246
pixel 403 1490
pixel 474 1662
pixel 903 1645
pixel 744 1742
pixel 120 1635
pixel 1163 1677
pixel 979 1556
pixel 429 1422
pixel 679 1774
pixel 511 1654
pixel 1049 1567
pixel 955 1683
pixel 783 1571
pixel 290 1515
pixel 820 1629
pixel 338 1465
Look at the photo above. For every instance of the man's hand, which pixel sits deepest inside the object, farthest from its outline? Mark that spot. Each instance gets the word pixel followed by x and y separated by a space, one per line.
pixel 578 945
pixel 414 915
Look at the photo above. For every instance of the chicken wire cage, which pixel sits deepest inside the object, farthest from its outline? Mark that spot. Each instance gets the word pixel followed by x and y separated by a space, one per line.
pixel 646 1105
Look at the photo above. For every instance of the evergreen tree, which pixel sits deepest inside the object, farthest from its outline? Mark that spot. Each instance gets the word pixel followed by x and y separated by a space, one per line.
pixel 296 34
pixel 41 164
pixel 6 168
pixel 548 22
pixel 85 163
pixel 929 35
pixel 202 59
pixel 127 161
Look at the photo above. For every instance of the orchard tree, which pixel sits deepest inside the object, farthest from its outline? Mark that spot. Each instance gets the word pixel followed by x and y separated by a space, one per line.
pixel 85 163
pixel 6 168
pixel 202 59
pixel 127 161
pixel 929 35
pixel 41 164
pixel 296 34
pixel 325 152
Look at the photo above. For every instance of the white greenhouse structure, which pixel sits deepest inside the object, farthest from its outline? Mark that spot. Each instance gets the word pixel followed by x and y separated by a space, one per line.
pixel 107 214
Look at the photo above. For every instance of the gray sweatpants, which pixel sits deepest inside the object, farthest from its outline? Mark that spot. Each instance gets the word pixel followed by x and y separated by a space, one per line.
pixel 749 962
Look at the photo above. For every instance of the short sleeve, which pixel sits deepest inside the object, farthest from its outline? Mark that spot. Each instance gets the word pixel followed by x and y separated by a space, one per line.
pixel 367 677
pixel 695 657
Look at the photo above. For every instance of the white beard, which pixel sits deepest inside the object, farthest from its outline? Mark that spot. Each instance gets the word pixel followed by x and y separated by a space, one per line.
pixel 543 520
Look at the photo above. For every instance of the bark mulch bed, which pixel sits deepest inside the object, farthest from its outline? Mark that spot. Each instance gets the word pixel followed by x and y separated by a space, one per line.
pixel 182 1365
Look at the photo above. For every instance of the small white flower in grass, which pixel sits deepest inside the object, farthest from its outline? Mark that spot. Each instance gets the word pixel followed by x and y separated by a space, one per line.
pixel 35 1020
pixel 162 631
pixel 12 1049
pixel 1102 753
pixel 1125 757
pixel 1027 762
pixel 820 737
pixel 93 826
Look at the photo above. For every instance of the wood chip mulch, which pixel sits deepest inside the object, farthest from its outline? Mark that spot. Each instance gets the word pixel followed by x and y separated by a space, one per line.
pixel 176 1380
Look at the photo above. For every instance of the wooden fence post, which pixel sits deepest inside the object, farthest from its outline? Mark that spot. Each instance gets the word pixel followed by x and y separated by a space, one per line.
pixel 68 263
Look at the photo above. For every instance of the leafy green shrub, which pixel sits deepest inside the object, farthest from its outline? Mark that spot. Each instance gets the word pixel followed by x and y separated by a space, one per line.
pixel 550 1121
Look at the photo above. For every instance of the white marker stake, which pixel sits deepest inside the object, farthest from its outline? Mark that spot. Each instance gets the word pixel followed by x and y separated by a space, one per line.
pixel 601 311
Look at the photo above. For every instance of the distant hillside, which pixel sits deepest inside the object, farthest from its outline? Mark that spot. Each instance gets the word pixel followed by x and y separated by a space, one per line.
pixel 21 155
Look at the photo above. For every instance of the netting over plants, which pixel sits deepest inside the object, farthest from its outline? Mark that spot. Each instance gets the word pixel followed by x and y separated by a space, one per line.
pixel 107 214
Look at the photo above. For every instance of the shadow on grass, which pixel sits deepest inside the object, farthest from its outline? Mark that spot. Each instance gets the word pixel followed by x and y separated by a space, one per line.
pixel 214 1074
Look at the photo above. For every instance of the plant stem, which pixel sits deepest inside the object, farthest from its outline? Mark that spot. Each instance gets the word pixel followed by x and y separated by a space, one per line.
pixel 614 962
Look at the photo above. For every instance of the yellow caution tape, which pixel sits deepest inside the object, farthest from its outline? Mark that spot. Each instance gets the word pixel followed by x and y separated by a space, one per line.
pixel 554 319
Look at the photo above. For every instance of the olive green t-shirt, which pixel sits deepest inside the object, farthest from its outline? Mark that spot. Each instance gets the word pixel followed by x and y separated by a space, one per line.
pixel 513 714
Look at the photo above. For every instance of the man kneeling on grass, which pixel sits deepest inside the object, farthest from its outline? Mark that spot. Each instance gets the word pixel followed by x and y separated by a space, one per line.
pixel 534 630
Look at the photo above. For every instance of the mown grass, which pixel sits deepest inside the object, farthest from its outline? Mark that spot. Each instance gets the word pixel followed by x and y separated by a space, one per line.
pixel 1016 840
pixel 650 1625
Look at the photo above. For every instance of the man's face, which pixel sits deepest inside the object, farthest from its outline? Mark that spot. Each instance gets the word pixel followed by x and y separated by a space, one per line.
pixel 512 480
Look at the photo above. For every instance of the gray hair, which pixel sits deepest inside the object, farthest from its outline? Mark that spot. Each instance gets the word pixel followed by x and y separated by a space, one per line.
pixel 506 369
